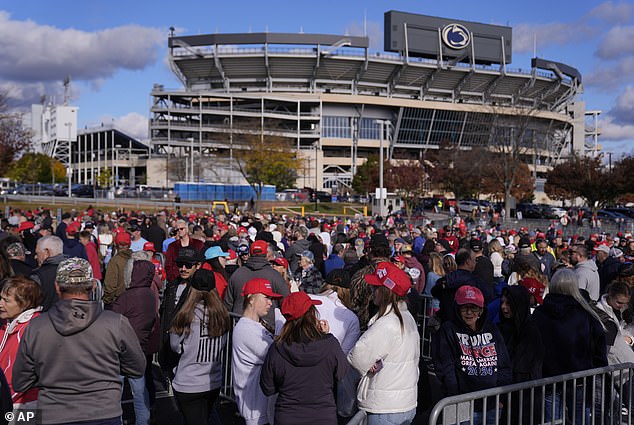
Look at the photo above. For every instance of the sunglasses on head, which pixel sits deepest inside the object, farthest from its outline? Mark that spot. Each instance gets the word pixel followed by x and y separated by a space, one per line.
pixel 181 264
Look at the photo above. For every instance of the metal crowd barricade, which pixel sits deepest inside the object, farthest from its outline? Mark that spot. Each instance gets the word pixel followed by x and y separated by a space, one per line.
pixel 226 390
pixel 600 396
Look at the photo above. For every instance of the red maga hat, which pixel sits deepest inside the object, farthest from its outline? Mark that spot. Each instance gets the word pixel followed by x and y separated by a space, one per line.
pixel 297 304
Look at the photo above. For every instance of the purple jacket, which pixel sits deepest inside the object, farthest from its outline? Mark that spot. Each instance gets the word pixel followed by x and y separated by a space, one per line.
pixel 138 304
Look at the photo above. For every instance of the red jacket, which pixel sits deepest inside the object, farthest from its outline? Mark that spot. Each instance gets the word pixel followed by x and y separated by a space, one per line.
pixel 11 336
pixel 221 282
pixel 93 259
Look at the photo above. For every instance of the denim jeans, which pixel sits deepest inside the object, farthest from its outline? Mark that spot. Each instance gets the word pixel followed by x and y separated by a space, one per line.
pixel 478 416
pixel 141 400
pixel 582 416
pixel 400 418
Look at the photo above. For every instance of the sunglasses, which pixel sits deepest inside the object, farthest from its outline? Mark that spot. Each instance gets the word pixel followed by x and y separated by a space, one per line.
pixel 182 228
pixel 187 265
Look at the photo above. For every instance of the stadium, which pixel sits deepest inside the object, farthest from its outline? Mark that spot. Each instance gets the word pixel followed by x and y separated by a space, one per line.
pixel 438 80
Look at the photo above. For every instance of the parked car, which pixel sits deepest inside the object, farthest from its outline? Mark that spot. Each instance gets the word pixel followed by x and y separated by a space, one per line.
pixel 605 215
pixel 468 206
pixel 78 190
pixel 629 212
pixel 34 189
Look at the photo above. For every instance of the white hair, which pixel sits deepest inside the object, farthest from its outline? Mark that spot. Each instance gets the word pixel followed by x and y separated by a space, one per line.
pixel 54 245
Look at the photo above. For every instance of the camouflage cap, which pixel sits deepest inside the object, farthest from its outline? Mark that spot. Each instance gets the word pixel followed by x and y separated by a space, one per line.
pixel 74 270
pixel 16 249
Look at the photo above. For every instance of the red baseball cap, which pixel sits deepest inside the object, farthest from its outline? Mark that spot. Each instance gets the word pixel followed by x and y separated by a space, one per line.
pixel 535 287
pixel 259 285
pixel 297 304
pixel 148 246
pixel 241 229
pixel 73 228
pixel 280 261
pixel 259 248
pixel 25 225
pixel 469 295
pixel 232 255
pixel 122 238
pixel 390 276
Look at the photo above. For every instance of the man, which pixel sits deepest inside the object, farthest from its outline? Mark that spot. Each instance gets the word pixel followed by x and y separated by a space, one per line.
pixel 608 267
pixel 335 259
pixel 137 242
pixel 446 287
pixel 49 254
pixel 586 271
pixel 256 266
pixel 545 258
pixel 525 255
pixel 72 246
pixel 183 240
pixel 60 231
pixel 419 240
pixel 17 256
pixel 188 261
pixel 99 345
pixel 300 245
pixel 114 283
pixel 484 267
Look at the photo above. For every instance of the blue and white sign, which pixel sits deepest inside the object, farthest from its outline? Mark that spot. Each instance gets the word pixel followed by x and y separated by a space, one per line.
pixel 456 36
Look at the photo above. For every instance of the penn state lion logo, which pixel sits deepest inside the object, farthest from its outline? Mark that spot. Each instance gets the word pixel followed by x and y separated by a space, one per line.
pixel 456 36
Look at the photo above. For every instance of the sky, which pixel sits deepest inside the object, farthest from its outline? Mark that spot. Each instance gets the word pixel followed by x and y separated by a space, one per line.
pixel 115 51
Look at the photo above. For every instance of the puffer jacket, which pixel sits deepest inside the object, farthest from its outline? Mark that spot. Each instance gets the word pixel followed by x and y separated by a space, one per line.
pixel 393 388
pixel 114 282
pixel 12 334
pixel 618 349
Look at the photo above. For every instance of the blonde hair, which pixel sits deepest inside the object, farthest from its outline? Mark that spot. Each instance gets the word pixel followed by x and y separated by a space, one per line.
pixel 495 246
pixel 436 263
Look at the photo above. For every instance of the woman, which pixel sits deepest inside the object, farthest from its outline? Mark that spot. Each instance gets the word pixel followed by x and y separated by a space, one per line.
pixel 387 354
pixel 524 345
pixel 199 334
pixel 436 271
pixel 496 255
pixel 138 304
pixel 455 349
pixel 280 265
pixel 216 260
pixel 20 301
pixel 308 276
pixel 303 365
pixel 573 337
pixel 251 342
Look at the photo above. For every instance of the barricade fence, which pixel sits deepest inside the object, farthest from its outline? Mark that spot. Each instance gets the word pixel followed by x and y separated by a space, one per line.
pixel 597 396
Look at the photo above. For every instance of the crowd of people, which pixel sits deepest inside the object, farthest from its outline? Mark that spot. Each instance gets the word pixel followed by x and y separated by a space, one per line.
pixel 319 313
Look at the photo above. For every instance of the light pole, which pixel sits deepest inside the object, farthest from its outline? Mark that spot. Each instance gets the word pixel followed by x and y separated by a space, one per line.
pixel 191 159
pixel 70 159
pixel 116 168
pixel 381 197
pixel 316 198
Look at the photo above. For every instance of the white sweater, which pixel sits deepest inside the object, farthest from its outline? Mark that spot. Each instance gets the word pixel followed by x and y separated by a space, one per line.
pixel 394 388
pixel 251 342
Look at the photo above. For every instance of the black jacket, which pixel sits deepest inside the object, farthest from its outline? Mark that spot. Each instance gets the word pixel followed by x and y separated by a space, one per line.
pixel 608 271
pixel 522 338
pixel 304 377
pixel 166 357
pixel 573 339
pixel 466 360
pixel 45 277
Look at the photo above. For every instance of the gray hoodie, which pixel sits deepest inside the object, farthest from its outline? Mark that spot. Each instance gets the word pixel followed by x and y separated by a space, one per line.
pixel 588 278
pixel 75 353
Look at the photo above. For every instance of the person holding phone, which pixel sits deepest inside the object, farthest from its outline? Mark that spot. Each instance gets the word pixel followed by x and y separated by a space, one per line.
pixel 387 354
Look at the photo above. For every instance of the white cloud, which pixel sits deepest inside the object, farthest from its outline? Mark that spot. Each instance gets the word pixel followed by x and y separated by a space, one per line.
pixel 132 124
pixel 41 54
pixel 623 109
pixel 614 132
pixel 617 43
pixel 611 78
pixel 613 13
pixel 556 33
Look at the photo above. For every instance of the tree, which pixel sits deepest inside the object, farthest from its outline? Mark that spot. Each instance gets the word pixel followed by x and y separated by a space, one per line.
pixel 523 185
pixel 584 177
pixel 408 181
pixel 621 173
pixel 267 160
pixel 14 138
pixel 458 170
pixel 36 167
pixel 104 179
pixel 366 180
